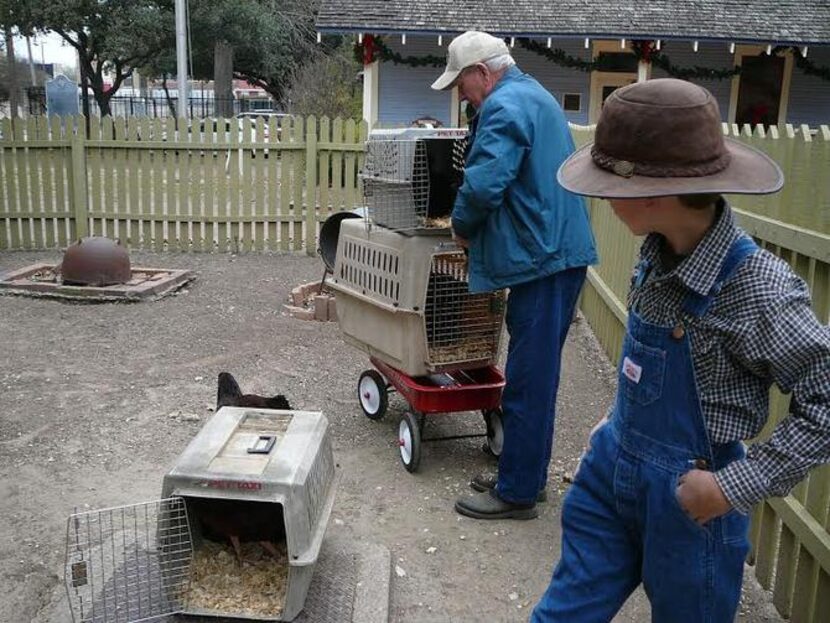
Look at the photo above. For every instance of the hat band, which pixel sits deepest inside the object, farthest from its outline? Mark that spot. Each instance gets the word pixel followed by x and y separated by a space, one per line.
pixel 627 168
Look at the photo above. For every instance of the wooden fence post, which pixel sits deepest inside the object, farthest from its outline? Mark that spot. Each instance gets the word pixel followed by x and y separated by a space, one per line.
pixel 79 190
pixel 8 194
pixel 311 186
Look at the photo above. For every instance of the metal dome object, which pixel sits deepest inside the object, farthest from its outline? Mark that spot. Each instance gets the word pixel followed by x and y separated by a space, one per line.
pixel 329 234
pixel 96 261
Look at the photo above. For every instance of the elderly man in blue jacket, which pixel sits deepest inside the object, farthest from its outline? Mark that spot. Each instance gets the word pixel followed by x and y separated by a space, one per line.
pixel 526 233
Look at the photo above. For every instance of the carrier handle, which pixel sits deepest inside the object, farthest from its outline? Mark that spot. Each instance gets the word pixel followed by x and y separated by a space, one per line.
pixel 263 445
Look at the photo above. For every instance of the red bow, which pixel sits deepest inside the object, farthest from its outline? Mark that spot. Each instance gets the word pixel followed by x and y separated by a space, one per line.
pixel 368 49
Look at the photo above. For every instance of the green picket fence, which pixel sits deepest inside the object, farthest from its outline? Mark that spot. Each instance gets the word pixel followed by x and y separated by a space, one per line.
pixel 790 536
pixel 177 184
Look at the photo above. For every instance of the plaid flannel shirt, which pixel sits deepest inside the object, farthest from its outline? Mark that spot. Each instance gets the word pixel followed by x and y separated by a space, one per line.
pixel 760 330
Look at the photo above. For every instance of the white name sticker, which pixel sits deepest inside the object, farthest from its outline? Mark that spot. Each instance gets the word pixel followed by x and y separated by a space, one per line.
pixel 631 370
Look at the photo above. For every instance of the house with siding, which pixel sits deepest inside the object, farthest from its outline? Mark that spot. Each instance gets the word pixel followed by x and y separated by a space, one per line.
pixel 766 61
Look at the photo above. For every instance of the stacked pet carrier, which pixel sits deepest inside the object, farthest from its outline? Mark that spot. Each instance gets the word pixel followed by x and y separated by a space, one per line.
pixel 411 176
pixel 401 281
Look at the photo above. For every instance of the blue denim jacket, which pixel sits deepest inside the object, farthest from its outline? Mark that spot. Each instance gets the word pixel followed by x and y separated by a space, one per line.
pixel 520 223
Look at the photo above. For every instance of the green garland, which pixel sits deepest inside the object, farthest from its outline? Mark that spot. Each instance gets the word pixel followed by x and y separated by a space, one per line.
pixel 811 69
pixel 807 66
pixel 693 73
pixel 561 58
pixel 643 50
pixel 380 52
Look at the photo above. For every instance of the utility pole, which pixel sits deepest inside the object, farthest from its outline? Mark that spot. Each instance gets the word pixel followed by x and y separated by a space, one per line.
pixel 31 60
pixel 181 57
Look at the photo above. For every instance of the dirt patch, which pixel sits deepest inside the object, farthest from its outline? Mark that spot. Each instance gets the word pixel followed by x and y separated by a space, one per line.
pixel 99 401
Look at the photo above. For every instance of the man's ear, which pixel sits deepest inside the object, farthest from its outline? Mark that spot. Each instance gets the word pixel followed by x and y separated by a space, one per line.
pixel 488 74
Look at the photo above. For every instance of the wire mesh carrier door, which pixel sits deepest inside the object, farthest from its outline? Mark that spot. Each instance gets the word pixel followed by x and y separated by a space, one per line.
pixel 461 328
pixel 411 176
pixel 130 563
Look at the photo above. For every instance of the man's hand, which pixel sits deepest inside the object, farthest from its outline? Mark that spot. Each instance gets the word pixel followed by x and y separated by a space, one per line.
pixel 461 242
pixel 701 497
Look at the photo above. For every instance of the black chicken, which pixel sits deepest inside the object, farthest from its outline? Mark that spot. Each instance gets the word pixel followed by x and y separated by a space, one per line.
pixel 229 395
pixel 239 521
pixel 446 175
pixel 443 176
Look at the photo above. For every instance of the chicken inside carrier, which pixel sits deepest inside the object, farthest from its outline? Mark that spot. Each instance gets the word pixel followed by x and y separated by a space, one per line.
pixel 240 562
pixel 444 178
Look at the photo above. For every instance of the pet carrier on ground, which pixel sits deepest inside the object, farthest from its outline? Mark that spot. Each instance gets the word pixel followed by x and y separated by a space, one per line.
pixel 237 533
pixel 411 176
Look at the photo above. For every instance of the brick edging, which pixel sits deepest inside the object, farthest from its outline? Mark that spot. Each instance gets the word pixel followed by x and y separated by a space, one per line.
pixel 307 303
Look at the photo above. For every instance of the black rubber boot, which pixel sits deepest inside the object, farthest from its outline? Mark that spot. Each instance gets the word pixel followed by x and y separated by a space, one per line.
pixel 483 482
pixel 488 505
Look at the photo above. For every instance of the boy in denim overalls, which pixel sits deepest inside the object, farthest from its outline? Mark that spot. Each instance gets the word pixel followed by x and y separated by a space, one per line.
pixel 662 494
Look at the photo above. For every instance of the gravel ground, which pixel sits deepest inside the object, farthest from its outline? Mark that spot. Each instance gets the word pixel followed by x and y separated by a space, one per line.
pixel 99 401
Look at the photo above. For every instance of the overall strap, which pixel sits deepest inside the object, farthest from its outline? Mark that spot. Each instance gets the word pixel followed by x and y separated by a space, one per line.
pixel 697 305
pixel 641 272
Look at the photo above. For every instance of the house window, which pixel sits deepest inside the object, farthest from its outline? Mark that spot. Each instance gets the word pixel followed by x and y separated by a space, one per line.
pixel 572 102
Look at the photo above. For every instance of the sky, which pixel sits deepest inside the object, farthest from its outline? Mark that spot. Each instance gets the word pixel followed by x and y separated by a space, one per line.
pixel 50 46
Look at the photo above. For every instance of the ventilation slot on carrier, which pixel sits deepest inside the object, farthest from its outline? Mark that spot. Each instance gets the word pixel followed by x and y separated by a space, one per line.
pixel 371 271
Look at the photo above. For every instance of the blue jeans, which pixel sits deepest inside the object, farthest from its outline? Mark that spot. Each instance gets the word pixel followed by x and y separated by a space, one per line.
pixel 622 526
pixel 539 314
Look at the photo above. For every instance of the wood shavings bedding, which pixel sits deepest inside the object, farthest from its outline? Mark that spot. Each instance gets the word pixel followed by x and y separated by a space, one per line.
pixel 438 223
pixel 466 350
pixel 219 583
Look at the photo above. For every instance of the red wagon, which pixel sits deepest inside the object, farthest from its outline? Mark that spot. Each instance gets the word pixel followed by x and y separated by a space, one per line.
pixel 478 389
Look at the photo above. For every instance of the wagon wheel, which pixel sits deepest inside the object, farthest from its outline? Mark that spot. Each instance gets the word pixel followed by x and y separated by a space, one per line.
pixel 495 432
pixel 372 394
pixel 409 441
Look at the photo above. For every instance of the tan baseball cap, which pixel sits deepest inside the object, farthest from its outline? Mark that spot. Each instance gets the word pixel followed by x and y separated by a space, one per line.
pixel 468 49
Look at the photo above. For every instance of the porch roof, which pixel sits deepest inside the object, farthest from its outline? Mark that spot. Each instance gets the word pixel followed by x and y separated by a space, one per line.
pixel 766 21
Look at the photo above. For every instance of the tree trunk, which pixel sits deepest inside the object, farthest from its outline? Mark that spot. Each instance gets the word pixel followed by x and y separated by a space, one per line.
pixel 96 83
pixel 14 92
pixel 103 101
pixel 83 70
pixel 223 78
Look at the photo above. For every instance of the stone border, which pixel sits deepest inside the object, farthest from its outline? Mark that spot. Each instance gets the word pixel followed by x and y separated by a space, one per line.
pixel 374 584
pixel 147 284
pixel 308 303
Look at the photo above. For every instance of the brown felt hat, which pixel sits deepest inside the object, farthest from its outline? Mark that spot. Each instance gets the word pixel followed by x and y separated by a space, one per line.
pixel 661 138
